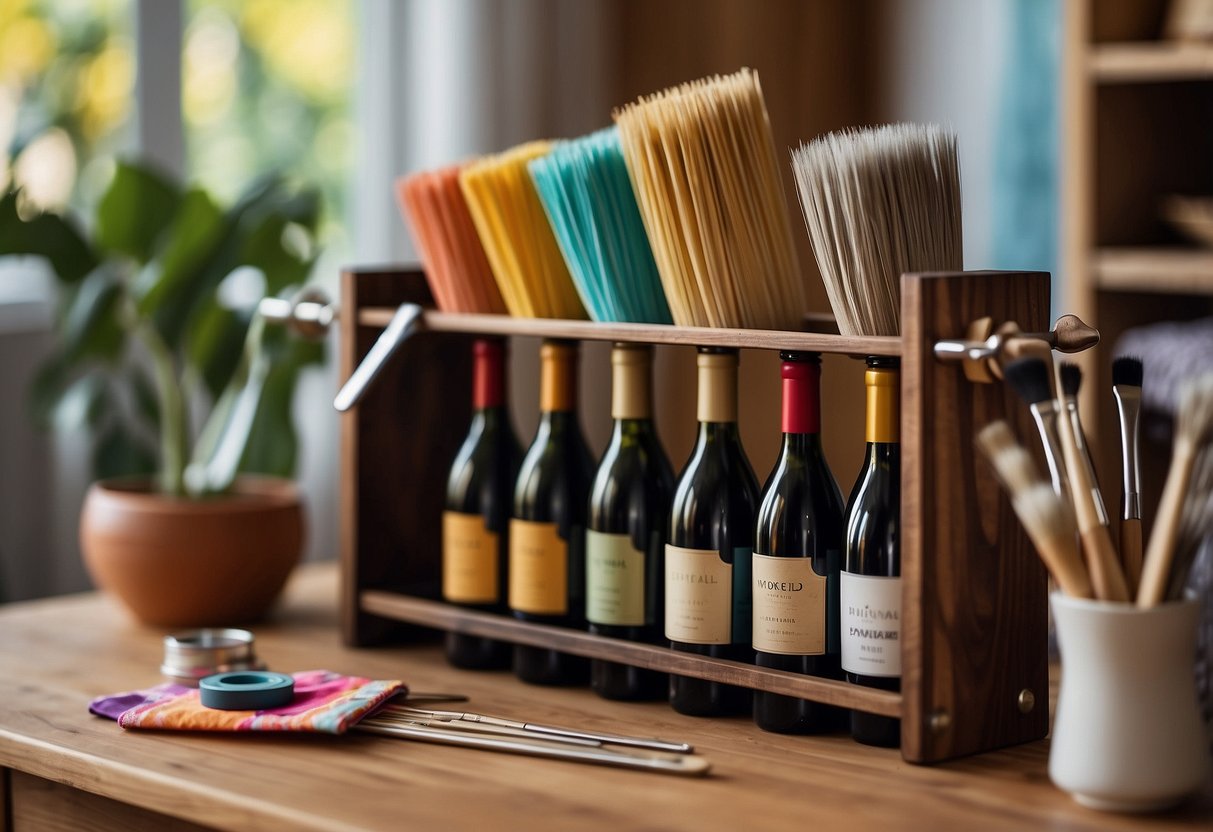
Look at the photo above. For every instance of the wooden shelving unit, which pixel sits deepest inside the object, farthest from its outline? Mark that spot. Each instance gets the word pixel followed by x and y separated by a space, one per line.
pixel 1149 62
pixel 974 653
pixel 1138 113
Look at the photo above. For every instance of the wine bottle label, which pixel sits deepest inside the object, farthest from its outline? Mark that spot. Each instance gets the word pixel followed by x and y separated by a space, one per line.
pixel 614 590
pixel 871 624
pixel 539 569
pixel 698 596
pixel 789 606
pixel 469 559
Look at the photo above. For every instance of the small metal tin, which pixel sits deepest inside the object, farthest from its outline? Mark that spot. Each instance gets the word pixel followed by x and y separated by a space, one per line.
pixel 246 690
pixel 192 655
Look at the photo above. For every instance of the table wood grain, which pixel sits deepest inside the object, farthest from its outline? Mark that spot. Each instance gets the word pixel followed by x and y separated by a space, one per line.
pixel 56 655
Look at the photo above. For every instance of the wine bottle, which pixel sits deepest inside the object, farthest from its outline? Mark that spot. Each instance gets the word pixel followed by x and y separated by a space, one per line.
pixel 797 555
pixel 479 495
pixel 707 561
pixel 547 532
pixel 871 586
pixel 629 522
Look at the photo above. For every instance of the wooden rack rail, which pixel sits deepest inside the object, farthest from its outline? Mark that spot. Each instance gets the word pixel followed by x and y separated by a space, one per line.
pixel 974 628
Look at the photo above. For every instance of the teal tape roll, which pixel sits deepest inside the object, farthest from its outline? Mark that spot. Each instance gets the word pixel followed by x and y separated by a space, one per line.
pixel 244 690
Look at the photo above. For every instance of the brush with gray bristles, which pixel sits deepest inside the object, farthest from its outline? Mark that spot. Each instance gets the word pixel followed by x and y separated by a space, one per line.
pixel 1071 382
pixel 878 203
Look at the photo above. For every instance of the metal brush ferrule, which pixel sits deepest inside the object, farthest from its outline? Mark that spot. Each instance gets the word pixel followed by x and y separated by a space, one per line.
pixel 1128 407
pixel 1080 444
pixel 1045 414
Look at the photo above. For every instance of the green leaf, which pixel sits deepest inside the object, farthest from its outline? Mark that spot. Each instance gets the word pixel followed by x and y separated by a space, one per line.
pixel 265 248
pixel 91 329
pixel 120 453
pixel 48 389
pixel 135 211
pixel 188 269
pixel 215 344
pixel 51 236
pixel 273 444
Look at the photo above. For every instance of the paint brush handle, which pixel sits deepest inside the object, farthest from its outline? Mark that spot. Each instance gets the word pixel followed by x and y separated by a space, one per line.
pixel 1156 570
pixel 613 739
pixel 1131 551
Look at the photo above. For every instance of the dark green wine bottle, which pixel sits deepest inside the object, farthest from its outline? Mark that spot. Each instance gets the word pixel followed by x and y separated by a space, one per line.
pixel 707 566
pixel 547 532
pixel 797 555
pixel 479 497
pixel 871 583
pixel 629 522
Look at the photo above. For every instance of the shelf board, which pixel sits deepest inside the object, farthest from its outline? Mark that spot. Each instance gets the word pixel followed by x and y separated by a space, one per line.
pixel 444 616
pixel 1150 62
pixel 645 333
pixel 1182 271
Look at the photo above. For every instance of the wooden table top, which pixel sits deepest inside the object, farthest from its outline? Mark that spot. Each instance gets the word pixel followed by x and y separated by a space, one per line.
pixel 56 655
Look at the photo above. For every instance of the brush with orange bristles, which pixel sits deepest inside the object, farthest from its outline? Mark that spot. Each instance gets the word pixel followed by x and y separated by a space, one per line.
pixel 456 267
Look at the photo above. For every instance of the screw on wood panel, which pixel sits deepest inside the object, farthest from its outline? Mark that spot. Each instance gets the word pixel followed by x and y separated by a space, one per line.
pixel 1026 701
pixel 939 721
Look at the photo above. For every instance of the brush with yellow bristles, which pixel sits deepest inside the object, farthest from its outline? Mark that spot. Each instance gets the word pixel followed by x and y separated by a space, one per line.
pixel 517 237
pixel 1047 518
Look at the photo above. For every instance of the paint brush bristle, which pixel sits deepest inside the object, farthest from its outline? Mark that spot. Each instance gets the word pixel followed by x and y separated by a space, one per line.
pixel 1011 461
pixel 1071 379
pixel 1029 377
pixel 1127 371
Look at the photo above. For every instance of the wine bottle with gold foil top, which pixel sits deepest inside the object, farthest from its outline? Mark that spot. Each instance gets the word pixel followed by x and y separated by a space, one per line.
pixel 547 532
pixel 628 526
pixel 707 561
pixel 871 583
pixel 797 555
pixel 479 500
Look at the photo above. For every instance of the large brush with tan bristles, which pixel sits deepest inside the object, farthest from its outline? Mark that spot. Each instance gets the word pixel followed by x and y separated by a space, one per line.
pixel 1046 516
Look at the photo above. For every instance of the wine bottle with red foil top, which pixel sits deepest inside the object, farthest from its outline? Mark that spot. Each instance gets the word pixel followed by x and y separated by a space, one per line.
pixel 479 498
pixel 547 532
pixel 707 561
pixel 628 527
pixel 871 582
pixel 797 555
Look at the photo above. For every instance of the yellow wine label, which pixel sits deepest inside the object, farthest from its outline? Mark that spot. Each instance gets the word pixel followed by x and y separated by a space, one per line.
pixel 614 580
pixel 698 596
pixel 469 559
pixel 539 569
pixel 789 606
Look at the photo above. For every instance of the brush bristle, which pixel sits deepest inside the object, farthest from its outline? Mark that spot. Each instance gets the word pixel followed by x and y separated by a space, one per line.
pixel 878 203
pixel 1195 421
pixel 1127 371
pixel 1030 379
pixel 1012 463
pixel 1045 515
pixel 1071 378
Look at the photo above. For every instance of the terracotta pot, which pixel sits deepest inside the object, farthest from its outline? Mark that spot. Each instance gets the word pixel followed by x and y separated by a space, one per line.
pixel 192 563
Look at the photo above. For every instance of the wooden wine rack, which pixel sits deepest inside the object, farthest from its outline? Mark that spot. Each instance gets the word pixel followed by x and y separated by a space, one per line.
pixel 974 598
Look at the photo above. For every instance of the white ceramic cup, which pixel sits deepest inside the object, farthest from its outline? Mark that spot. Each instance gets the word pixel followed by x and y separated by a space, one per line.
pixel 1127 735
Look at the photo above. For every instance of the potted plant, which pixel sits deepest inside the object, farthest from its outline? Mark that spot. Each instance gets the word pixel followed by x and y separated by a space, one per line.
pixel 186 397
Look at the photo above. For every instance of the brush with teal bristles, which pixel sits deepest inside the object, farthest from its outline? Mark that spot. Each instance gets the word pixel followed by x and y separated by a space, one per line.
pixel 587 195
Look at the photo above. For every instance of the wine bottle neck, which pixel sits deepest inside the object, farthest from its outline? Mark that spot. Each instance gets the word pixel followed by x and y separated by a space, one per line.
pixel 488 373
pixel 883 412
pixel 557 377
pixel 717 388
pixel 631 382
pixel 801 396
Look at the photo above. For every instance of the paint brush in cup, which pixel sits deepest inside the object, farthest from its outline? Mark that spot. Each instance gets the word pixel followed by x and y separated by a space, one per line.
pixel 1071 382
pixel 1030 377
pixel 1127 375
pixel 1193 427
pixel 1046 517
